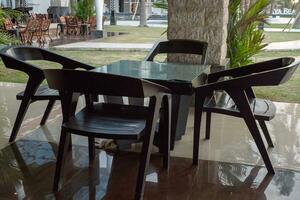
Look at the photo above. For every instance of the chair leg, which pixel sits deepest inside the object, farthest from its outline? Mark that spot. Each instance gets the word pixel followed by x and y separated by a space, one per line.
pixel 20 116
pixel 199 102
pixel 62 150
pixel 266 133
pixel 91 149
pixel 208 123
pixel 47 112
pixel 166 131
pixel 146 149
pixel 243 105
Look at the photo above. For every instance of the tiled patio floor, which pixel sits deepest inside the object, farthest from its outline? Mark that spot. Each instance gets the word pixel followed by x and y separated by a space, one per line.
pixel 230 139
pixel 230 142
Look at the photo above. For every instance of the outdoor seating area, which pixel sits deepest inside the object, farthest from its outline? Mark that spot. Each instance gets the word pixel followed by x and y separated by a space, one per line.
pixel 94 106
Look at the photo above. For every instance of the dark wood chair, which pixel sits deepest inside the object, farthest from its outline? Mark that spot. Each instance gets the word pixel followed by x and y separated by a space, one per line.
pixel 112 121
pixel 181 46
pixel 15 58
pixel 246 105
pixel 175 46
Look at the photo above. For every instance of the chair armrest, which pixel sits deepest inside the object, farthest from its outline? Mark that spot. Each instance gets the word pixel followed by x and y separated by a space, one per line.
pixel 67 63
pixel 246 70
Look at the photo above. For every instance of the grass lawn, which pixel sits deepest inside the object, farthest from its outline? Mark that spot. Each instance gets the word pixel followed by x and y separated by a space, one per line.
pixel 281 36
pixel 278 26
pixel 136 34
pixel 94 58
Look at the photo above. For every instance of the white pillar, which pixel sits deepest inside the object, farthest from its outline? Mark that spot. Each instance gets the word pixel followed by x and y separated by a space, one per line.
pixel 99 13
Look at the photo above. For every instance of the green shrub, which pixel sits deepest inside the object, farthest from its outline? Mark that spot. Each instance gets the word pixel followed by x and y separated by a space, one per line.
pixel 84 9
pixel 244 38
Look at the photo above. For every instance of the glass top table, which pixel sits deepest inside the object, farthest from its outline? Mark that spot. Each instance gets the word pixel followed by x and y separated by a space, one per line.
pixel 179 78
pixel 156 71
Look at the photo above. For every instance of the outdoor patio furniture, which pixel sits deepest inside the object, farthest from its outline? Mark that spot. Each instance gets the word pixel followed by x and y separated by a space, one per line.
pixel 60 29
pixel 72 25
pixel 106 120
pixel 181 46
pixel 244 104
pixel 178 77
pixel 32 29
pixel 15 58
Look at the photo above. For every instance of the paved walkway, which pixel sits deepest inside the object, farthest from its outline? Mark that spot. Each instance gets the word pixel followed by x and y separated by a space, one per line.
pixel 105 46
pixel 92 45
pixel 284 46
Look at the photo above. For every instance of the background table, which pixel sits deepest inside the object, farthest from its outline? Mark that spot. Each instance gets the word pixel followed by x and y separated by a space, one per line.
pixel 180 78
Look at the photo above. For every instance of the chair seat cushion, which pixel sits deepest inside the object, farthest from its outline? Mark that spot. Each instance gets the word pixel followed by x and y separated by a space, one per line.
pixel 42 93
pixel 222 103
pixel 109 121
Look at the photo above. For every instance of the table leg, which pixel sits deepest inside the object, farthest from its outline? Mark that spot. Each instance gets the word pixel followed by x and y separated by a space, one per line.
pixel 180 112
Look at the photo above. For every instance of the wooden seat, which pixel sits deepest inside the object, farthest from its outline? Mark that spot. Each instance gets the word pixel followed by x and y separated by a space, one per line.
pixel 102 122
pixel 223 104
pixel 42 93
pixel 107 120
pixel 236 98
pixel 16 57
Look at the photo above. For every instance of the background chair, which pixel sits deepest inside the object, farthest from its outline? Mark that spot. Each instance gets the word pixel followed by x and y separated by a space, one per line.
pixel 246 105
pixel 73 26
pixel 15 58
pixel 112 121
pixel 181 46
pixel 175 46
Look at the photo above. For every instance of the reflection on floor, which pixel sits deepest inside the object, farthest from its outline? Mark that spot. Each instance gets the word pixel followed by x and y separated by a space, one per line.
pixel 26 167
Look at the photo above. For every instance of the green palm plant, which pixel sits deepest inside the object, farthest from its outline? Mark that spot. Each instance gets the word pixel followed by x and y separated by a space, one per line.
pixel 244 38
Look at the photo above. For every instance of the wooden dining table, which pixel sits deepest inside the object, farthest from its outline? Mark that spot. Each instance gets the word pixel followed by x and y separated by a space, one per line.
pixel 179 78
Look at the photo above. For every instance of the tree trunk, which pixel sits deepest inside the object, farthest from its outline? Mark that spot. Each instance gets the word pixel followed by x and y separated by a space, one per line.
pixel 143 13
pixel 204 20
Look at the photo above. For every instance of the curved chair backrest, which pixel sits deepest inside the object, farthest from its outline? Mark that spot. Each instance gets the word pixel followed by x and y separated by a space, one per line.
pixel 89 82
pixel 179 46
pixel 26 53
pixel 267 73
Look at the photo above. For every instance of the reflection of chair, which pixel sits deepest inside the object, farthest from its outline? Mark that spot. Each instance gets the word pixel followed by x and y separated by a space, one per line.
pixel 73 26
pixel 113 121
pixel 179 46
pixel 15 58
pixel 245 104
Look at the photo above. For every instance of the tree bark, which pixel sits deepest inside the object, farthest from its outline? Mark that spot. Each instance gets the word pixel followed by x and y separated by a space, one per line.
pixel 143 13
pixel 204 20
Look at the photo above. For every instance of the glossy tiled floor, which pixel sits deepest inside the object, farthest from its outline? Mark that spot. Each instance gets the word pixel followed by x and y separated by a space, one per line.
pixel 26 167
